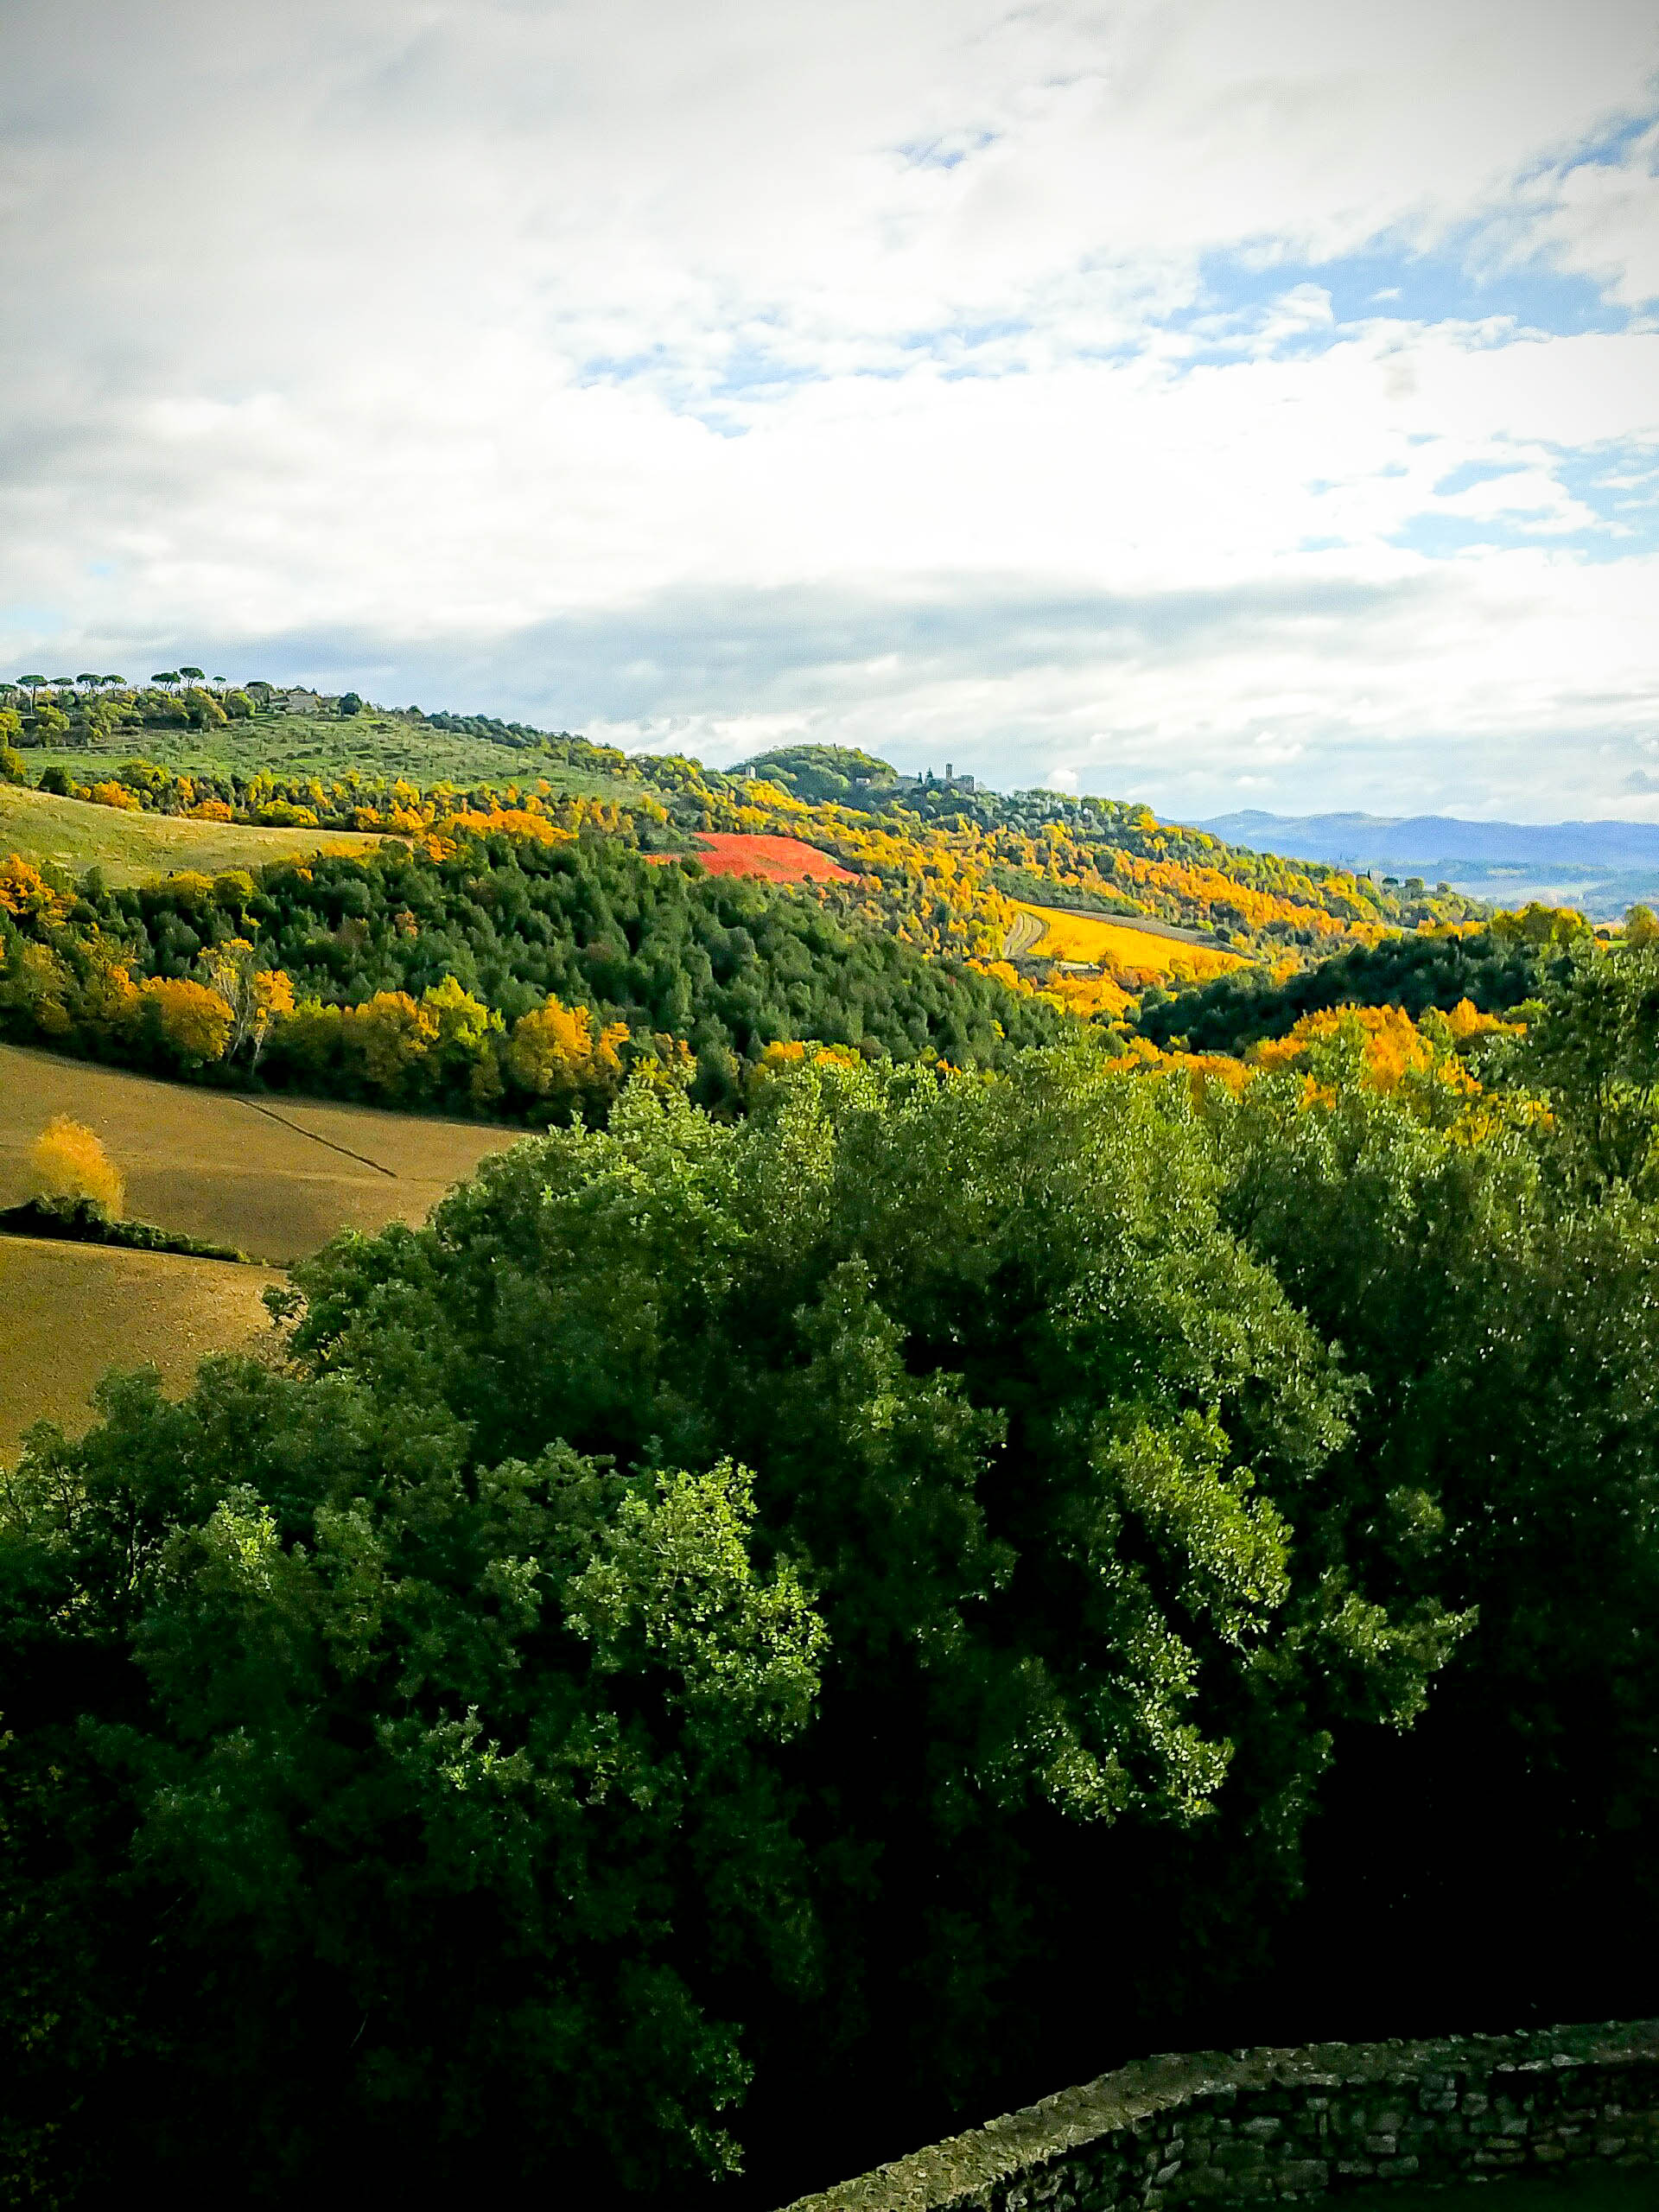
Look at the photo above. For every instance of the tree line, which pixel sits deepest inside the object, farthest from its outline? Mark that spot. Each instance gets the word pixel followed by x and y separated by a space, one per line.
pixel 507 966
pixel 1494 967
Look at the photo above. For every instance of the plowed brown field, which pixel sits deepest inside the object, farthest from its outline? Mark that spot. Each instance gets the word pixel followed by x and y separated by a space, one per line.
pixel 73 1310
pixel 273 1177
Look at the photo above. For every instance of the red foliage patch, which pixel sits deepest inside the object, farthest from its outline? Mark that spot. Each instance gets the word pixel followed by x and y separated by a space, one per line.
pixel 776 859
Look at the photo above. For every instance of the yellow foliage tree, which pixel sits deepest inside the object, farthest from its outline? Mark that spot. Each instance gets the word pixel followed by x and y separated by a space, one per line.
pixel 185 1018
pixel 463 1022
pixel 387 1034
pixel 25 893
pixel 256 997
pixel 69 1161
pixel 1206 1072
pixel 555 1051
pixel 107 992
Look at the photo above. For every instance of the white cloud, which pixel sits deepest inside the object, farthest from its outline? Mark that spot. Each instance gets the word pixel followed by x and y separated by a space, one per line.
pixel 1600 218
pixel 703 376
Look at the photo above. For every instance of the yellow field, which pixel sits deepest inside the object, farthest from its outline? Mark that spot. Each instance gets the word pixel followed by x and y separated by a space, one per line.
pixel 73 1310
pixel 1094 940
pixel 132 847
pixel 275 1178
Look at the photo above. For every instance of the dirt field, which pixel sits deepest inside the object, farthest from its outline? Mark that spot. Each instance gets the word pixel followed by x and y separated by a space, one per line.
pixel 775 860
pixel 275 1178
pixel 132 847
pixel 73 1310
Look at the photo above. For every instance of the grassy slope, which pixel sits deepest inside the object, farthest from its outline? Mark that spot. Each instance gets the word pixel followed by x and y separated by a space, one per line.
pixel 307 745
pixel 276 1177
pixel 73 1310
pixel 131 848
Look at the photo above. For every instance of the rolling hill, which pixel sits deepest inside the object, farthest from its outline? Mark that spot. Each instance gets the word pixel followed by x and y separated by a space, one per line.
pixel 276 1178
pixel 422 749
pixel 131 848
pixel 73 1310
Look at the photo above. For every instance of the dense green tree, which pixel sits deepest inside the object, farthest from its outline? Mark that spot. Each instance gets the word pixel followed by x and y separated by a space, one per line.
pixel 1593 1049
pixel 396 1741
pixel 1502 1315
pixel 364 1801
pixel 729 967
pixel 1050 1448
pixel 841 774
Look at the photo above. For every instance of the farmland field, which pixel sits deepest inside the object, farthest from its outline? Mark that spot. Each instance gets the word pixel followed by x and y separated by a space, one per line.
pixel 1098 941
pixel 776 859
pixel 73 1310
pixel 132 847
pixel 275 1177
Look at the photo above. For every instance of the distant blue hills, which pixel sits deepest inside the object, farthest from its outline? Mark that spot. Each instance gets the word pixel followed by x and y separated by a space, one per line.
pixel 1422 841
pixel 1601 866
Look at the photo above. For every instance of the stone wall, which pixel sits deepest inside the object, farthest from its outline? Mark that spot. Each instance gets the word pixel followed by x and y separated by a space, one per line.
pixel 1294 2126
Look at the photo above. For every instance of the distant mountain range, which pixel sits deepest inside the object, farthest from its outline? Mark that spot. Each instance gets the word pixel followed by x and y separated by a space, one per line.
pixel 1602 866
pixel 1420 842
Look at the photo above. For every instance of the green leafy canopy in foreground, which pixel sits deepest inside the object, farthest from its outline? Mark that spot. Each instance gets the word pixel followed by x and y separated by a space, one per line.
pixel 412 1748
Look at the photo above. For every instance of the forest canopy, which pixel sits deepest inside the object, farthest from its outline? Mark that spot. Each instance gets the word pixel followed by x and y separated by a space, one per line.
pixel 689 1637
pixel 507 966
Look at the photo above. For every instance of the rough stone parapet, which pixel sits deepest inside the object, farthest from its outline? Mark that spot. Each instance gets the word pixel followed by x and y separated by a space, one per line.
pixel 1288 2126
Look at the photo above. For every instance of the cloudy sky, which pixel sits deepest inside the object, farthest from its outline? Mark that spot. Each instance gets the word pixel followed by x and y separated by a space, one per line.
pixel 1221 402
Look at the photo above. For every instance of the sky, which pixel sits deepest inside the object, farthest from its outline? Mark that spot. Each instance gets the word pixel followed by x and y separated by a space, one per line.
pixel 1216 403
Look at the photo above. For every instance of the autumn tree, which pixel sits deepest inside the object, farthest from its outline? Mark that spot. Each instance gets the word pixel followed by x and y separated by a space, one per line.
pixel 183 1021
pixel 561 1053
pixel 67 1161
pixel 255 996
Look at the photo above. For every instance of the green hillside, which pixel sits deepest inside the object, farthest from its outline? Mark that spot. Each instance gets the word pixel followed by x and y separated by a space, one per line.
pixel 131 848
pixel 372 745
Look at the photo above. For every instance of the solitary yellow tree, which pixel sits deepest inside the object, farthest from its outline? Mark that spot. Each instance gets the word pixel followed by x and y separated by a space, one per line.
pixel 70 1162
